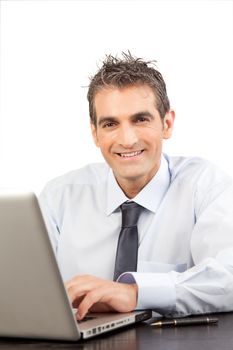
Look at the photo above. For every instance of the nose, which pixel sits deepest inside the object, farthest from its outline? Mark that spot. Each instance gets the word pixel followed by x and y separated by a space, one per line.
pixel 127 136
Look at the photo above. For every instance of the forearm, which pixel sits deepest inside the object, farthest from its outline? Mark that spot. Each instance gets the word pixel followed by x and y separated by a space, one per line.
pixel 207 287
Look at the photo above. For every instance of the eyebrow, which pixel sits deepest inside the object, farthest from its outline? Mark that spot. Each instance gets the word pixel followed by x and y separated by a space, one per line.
pixel 134 116
pixel 142 114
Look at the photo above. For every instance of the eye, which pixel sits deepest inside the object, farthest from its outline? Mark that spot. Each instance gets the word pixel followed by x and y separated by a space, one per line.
pixel 141 119
pixel 109 125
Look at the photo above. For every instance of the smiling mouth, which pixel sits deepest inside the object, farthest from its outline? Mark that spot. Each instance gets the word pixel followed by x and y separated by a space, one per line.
pixel 130 154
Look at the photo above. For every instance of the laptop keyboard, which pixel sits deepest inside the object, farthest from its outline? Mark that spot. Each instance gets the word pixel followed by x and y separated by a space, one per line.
pixel 87 318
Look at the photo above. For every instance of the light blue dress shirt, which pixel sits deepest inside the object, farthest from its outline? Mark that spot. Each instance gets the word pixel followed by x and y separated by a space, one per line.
pixel 185 254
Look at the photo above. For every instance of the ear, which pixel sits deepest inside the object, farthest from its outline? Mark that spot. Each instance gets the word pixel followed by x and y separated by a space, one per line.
pixel 168 123
pixel 94 134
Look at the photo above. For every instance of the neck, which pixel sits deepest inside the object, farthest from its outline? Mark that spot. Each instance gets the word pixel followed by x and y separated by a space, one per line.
pixel 132 188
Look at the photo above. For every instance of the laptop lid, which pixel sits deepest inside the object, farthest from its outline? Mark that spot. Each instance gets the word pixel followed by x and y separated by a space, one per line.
pixel 33 299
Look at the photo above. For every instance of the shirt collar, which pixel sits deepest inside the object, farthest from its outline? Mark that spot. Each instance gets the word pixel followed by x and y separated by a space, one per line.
pixel 149 197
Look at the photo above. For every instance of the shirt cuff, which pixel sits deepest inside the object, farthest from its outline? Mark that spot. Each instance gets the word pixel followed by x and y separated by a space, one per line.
pixel 155 290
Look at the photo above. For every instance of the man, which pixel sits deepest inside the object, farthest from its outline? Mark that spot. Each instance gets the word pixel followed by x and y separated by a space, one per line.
pixel 182 261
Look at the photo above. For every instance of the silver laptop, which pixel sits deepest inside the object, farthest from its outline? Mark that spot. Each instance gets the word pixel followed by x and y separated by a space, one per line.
pixel 33 299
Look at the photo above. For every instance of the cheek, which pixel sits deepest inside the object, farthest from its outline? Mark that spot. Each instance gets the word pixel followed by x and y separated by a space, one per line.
pixel 106 139
pixel 155 128
pixel 105 144
pixel 151 135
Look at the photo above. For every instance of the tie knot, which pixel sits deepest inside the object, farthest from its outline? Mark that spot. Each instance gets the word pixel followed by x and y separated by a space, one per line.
pixel 130 214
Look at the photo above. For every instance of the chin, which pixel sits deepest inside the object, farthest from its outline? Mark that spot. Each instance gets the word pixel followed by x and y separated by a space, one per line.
pixel 132 176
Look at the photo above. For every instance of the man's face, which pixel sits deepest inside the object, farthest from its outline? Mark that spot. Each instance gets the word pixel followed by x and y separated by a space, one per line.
pixel 129 132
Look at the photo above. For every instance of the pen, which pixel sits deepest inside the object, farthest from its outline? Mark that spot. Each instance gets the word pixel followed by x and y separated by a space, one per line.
pixel 185 321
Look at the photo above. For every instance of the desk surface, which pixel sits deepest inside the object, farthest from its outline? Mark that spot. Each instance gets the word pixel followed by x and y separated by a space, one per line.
pixel 144 337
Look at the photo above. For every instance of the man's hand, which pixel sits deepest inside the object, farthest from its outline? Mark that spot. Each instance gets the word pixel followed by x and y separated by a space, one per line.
pixel 94 294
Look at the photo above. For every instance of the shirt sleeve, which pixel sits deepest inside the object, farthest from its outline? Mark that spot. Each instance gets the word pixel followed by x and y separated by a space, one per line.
pixel 50 219
pixel 208 285
pixel 205 288
pixel 156 290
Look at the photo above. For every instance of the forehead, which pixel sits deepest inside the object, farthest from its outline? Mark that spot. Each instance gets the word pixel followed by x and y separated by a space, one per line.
pixel 114 101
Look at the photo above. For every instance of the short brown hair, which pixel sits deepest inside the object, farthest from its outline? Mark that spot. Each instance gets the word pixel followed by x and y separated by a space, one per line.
pixel 129 70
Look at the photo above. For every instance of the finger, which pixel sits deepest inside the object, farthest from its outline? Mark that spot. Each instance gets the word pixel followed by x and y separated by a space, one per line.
pixel 97 307
pixel 101 307
pixel 77 302
pixel 105 298
pixel 79 279
pixel 91 298
pixel 84 282
pixel 81 285
pixel 76 280
pixel 75 293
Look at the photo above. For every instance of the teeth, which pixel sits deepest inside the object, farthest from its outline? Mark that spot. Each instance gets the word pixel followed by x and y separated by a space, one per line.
pixel 131 154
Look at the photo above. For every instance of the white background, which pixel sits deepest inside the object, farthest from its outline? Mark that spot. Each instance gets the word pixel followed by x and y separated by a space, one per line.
pixel 50 48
